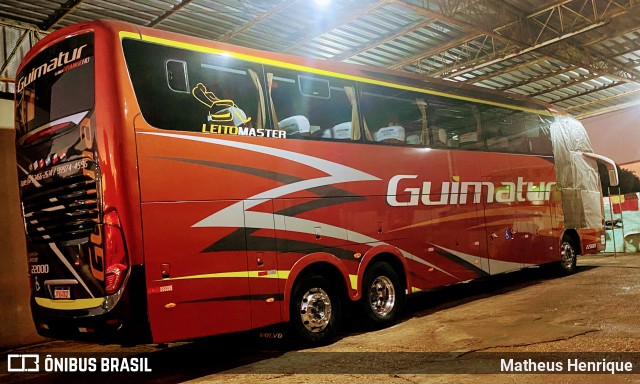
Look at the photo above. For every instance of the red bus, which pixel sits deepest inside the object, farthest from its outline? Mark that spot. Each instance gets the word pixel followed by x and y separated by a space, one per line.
pixel 174 188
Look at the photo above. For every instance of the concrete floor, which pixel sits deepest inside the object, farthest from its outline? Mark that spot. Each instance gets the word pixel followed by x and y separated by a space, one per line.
pixel 522 315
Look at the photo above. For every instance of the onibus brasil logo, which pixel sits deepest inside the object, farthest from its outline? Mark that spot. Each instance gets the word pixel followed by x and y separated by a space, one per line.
pixel 33 363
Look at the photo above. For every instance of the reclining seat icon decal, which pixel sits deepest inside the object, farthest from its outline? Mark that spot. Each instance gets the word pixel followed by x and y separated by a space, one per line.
pixel 220 110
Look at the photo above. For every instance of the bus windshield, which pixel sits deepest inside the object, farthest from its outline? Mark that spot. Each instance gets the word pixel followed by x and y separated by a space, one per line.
pixel 56 84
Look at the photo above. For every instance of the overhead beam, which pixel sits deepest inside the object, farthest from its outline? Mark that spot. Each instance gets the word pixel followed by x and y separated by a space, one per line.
pixel 18 24
pixel 590 91
pixel 540 77
pixel 477 32
pixel 347 18
pixel 59 14
pixel 545 35
pixel 265 15
pixel 434 51
pixel 574 81
pixel 602 100
pixel 482 62
pixel 598 64
pixel 168 13
pixel 440 16
pixel 614 31
pixel 432 17
pixel 613 108
pixel 376 43
pixel 507 69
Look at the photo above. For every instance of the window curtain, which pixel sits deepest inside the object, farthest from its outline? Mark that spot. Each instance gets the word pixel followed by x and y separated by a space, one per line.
pixel 261 107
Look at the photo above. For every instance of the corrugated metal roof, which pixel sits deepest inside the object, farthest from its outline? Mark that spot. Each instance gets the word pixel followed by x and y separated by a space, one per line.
pixel 580 55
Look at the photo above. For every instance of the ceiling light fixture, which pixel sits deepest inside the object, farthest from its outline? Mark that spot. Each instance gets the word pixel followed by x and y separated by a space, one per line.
pixel 322 3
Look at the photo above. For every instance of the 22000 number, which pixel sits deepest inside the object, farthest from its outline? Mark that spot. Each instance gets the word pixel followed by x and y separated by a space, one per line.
pixel 39 269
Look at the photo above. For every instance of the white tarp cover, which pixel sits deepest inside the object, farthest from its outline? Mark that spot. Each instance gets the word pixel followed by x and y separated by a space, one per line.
pixel 577 177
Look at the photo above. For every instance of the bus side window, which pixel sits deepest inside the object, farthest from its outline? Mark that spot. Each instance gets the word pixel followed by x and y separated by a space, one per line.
pixel 454 124
pixel 309 106
pixel 312 87
pixel 539 135
pixel 496 139
pixel 504 129
pixel 232 91
pixel 183 90
pixel 177 78
pixel 393 116
pixel 513 127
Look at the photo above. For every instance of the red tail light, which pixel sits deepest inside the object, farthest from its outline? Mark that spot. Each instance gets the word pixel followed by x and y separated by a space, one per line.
pixel 46 131
pixel 115 253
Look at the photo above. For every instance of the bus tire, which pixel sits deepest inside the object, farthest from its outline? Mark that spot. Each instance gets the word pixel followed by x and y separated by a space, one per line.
pixel 315 309
pixel 382 296
pixel 568 257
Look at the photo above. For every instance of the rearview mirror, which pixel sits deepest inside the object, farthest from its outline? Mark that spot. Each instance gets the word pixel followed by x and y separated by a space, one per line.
pixel 613 177
pixel 610 164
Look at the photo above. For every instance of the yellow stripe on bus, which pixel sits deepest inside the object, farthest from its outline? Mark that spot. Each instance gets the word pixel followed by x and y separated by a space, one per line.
pixel 282 64
pixel 241 274
pixel 68 305
pixel 353 279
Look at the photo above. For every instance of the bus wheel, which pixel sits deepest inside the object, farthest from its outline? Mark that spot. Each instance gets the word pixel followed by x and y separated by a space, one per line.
pixel 382 295
pixel 315 310
pixel 568 257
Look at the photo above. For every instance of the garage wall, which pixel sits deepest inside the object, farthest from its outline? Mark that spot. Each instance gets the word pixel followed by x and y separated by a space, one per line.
pixel 6 113
pixel 616 134
pixel 16 326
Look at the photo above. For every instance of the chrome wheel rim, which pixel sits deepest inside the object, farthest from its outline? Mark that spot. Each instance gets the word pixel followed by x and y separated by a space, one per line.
pixel 315 310
pixel 567 256
pixel 382 296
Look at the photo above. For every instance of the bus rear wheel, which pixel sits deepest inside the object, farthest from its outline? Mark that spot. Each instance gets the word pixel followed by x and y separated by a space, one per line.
pixel 382 296
pixel 568 257
pixel 315 309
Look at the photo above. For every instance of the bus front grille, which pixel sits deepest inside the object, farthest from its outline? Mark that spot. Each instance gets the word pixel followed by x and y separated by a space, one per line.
pixel 62 210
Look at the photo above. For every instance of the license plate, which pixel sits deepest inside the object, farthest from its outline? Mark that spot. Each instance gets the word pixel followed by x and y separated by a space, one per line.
pixel 62 293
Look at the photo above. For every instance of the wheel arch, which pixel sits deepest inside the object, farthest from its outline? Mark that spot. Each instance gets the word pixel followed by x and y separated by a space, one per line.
pixel 321 263
pixel 574 238
pixel 388 254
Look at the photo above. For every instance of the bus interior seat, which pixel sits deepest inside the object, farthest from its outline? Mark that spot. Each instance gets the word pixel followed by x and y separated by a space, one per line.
pixel 297 125
pixel 497 143
pixel 340 131
pixel 540 145
pixel 390 135
pixel 234 114
pixel 469 138
pixel 414 140
pixel 440 137
pixel 519 144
